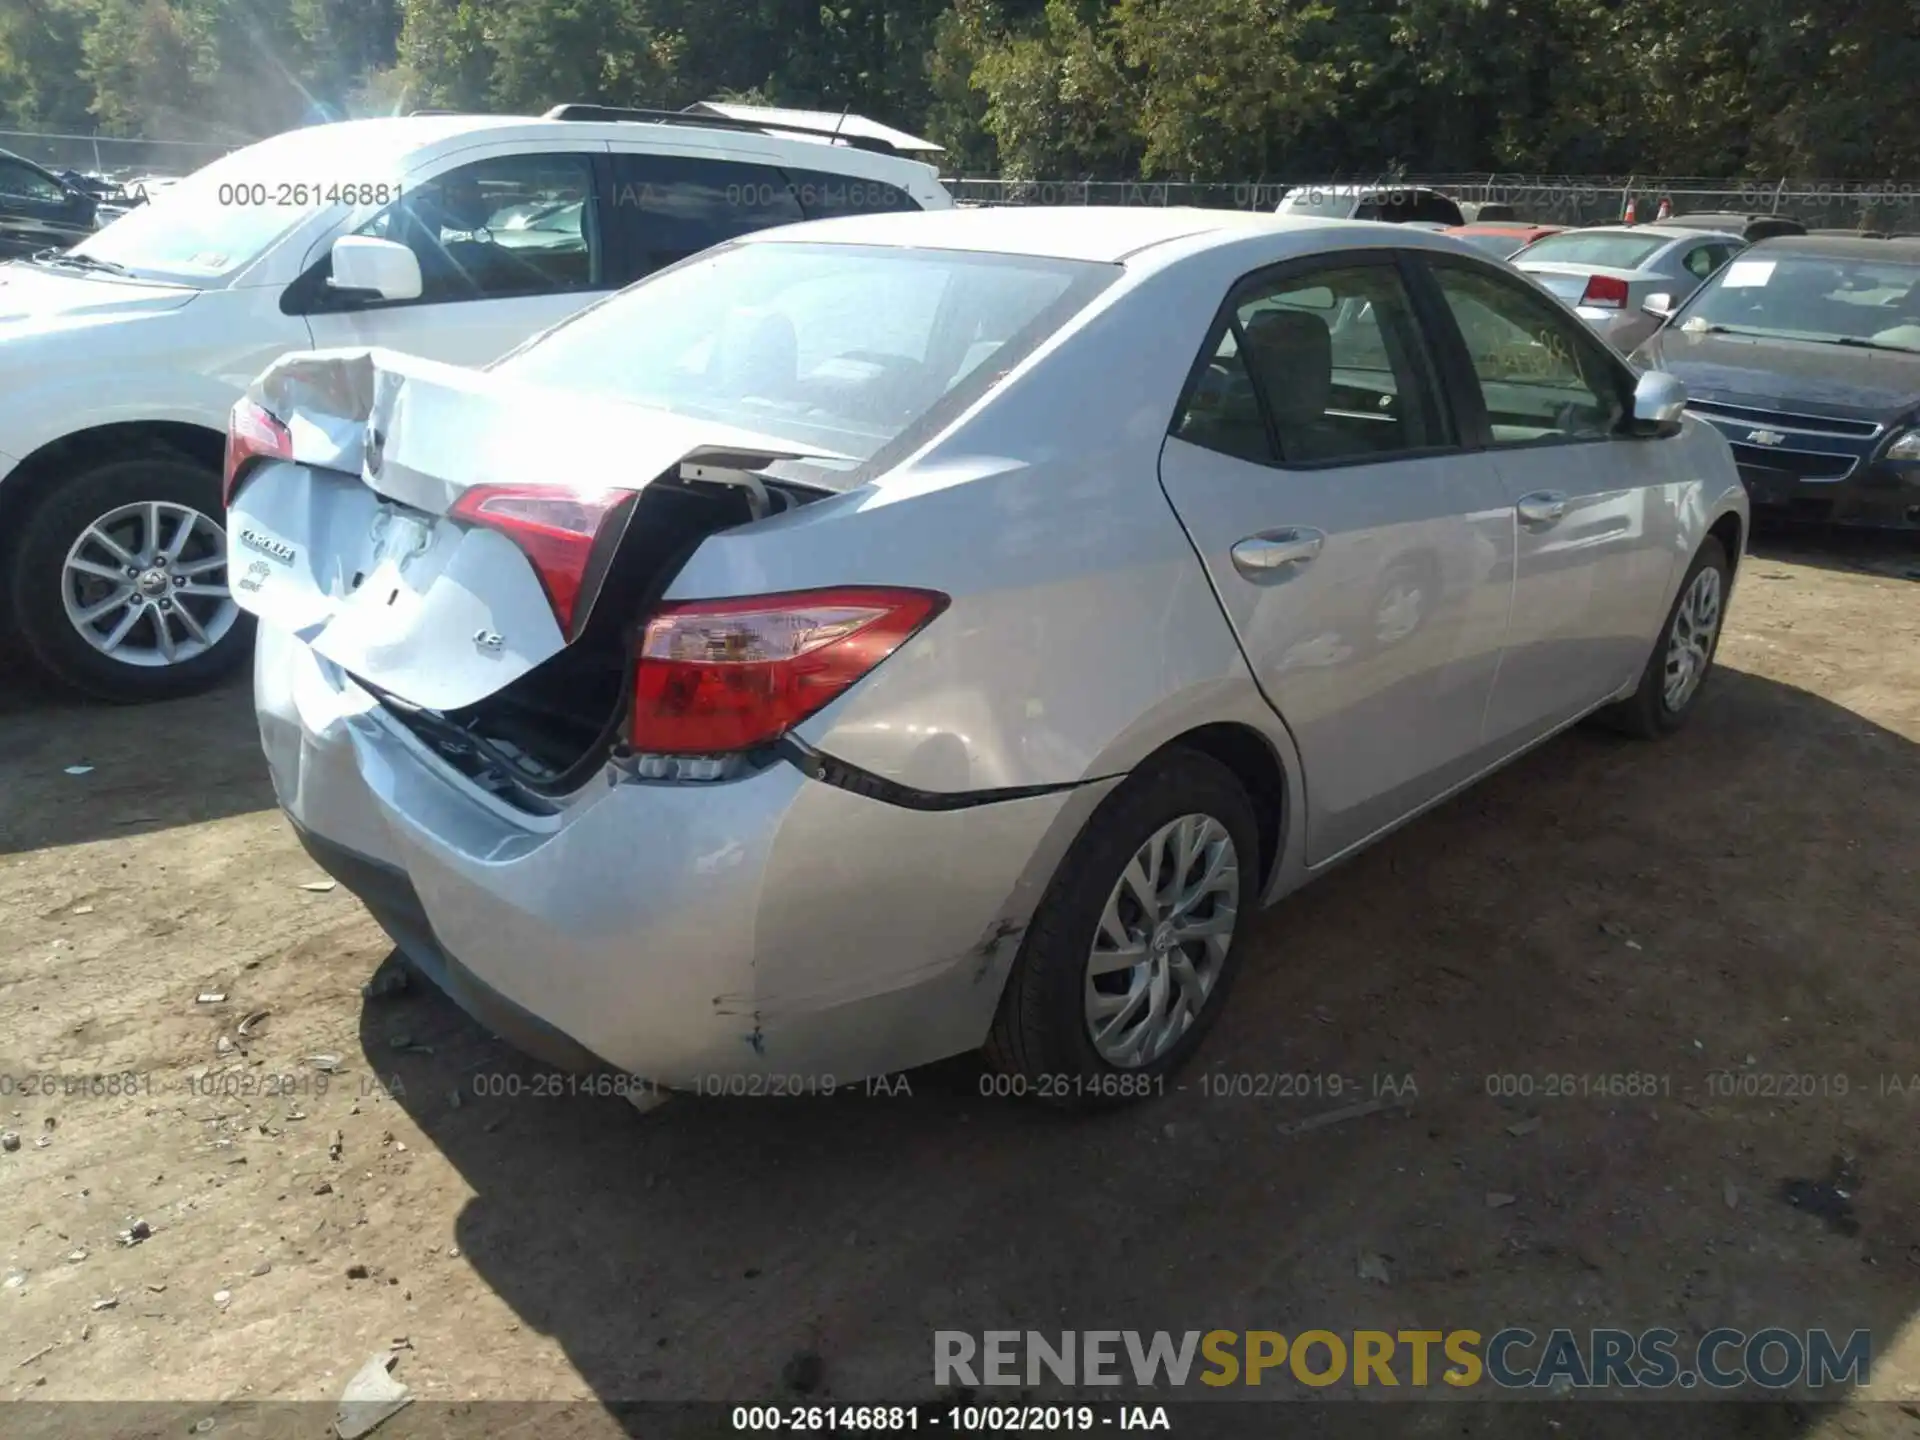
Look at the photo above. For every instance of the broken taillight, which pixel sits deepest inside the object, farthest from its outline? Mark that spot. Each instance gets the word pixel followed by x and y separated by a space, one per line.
pixel 253 433
pixel 720 676
pixel 559 531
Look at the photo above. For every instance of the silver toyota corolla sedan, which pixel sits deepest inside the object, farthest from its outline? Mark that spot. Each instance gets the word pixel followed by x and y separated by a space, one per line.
pixel 895 636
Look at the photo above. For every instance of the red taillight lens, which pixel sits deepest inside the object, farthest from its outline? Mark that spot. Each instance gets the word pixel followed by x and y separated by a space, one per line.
pixel 557 530
pixel 252 434
pixel 717 676
pixel 1605 290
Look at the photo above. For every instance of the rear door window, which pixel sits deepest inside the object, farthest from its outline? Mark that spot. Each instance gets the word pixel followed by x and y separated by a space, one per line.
pixel 1325 365
pixel 667 207
pixel 823 195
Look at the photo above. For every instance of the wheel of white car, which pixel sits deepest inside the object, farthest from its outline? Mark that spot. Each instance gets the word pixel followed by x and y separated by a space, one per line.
pixel 120 582
pixel 1128 958
pixel 1683 656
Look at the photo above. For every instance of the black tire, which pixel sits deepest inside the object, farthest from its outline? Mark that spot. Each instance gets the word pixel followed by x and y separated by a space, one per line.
pixel 1646 714
pixel 37 578
pixel 1040 1038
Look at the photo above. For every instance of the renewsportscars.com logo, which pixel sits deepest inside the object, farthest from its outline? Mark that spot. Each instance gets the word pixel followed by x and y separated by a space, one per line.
pixel 1510 1359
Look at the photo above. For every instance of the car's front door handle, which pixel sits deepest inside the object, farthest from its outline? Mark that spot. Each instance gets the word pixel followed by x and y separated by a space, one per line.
pixel 1543 507
pixel 1276 554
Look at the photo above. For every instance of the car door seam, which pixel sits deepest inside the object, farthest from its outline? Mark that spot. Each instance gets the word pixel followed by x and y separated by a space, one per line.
pixel 1226 615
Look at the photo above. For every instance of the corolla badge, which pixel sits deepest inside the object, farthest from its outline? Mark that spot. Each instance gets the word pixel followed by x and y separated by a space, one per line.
pixel 1765 437
pixel 267 545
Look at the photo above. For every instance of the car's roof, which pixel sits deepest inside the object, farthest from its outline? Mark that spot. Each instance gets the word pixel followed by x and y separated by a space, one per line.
pixel 393 135
pixel 1103 233
pixel 1501 227
pixel 1904 250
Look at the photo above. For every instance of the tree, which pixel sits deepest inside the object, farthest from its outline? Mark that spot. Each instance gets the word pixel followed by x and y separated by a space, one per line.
pixel 446 60
pixel 550 52
pixel 1228 88
pixel 146 64
pixel 1059 104
pixel 1209 89
pixel 42 57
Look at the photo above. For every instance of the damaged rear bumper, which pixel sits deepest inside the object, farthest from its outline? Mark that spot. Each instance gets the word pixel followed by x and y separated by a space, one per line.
pixel 774 925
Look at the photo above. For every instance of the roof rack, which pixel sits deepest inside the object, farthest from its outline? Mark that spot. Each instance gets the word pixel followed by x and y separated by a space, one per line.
pixel 714 122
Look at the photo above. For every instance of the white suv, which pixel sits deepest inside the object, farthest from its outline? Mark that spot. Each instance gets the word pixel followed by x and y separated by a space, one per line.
pixel 452 237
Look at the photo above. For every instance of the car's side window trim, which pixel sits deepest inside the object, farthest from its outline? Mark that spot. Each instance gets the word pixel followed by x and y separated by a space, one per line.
pixel 619 238
pixel 1425 361
pixel 1464 378
pixel 1452 361
pixel 308 293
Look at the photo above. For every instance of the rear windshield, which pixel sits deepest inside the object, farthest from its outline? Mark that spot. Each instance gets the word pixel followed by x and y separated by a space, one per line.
pixel 1616 252
pixel 1494 242
pixel 838 349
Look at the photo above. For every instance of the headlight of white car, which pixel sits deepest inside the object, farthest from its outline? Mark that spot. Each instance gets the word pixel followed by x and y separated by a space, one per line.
pixel 1905 446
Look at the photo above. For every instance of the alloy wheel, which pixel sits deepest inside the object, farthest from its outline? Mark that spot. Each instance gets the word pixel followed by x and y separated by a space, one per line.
pixel 1162 940
pixel 1690 645
pixel 146 584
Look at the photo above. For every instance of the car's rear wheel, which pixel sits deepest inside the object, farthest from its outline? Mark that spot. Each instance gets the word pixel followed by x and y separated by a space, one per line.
pixel 1681 660
pixel 120 582
pixel 1129 955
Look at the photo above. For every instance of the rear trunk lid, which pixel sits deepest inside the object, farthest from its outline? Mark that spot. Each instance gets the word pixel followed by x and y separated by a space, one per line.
pixel 1569 282
pixel 354 547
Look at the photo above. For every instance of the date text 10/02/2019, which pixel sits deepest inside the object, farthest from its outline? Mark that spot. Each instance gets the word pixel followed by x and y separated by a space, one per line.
pixel 956 1419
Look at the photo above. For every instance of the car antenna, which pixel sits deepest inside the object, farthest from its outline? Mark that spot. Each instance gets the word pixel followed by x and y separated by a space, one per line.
pixel 841 121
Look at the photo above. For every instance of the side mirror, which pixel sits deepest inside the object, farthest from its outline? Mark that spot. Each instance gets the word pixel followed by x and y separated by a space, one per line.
pixel 384 269
pixel 1660 306
pixel 1659 402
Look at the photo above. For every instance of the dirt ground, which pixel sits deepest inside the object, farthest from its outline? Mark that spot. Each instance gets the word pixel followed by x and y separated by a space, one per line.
pixel 1742 900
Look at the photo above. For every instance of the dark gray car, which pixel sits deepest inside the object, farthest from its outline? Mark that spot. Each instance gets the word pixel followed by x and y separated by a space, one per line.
pixel 1805 354
pixel 38 210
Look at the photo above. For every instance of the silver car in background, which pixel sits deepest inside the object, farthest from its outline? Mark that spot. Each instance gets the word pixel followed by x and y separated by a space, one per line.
pixel 1624 280
pixel 884 638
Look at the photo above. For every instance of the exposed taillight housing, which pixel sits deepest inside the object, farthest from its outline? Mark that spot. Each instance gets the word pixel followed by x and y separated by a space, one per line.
pixel 253 433
pixel 561 532
pixel 1609 292
pixel 716 677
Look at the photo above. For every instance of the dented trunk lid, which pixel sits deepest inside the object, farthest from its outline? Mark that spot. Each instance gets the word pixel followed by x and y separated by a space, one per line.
pixel 350 545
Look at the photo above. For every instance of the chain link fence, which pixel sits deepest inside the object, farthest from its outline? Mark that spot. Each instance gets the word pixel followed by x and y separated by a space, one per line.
pixel 1892 205
pixel 113 156
pixel 1558 200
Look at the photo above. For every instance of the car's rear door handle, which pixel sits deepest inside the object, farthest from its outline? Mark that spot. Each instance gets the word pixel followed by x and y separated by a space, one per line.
pixel 1543 507
pixel 1276 554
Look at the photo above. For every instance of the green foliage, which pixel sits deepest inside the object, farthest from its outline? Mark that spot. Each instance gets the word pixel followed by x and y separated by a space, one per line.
pixel 41 60
pixel 1206 89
